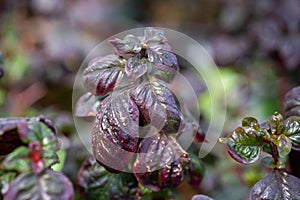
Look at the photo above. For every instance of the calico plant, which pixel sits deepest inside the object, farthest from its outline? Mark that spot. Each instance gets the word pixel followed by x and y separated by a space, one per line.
pixel 272 140
pixel 28 148
pixel 136 119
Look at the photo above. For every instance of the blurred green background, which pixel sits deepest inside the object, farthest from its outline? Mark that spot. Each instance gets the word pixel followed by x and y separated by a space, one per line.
pixel 256 45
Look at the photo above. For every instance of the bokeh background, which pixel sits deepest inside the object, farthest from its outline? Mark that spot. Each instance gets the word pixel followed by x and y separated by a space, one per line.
pixel 255 43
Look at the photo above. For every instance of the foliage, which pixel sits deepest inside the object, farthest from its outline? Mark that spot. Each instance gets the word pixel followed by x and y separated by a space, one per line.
pixel 26 170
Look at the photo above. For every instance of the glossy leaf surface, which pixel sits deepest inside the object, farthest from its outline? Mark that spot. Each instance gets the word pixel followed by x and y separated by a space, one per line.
pixel 136 67
pixel 277 185
pixel 49 185
pixel 244 145
pixel 160 162
pixel 158 106
pixel 103 74
pixel 292 131
pixel 94 182
pixel 115 132
pixel 129 45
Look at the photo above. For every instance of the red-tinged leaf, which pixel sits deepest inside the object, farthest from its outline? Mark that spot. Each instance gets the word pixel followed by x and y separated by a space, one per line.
pixel 115 131
pixel 94 182
pixel 87 107
pixel 244 145
pixel 136 67
pixel 277 185
pixel 103 74
pixel 160 162
pixel 292 102
pixel 292 131
pixel 48 185
pixel 129 45
pixel 195 171
pixel 158 106
pixel 9 141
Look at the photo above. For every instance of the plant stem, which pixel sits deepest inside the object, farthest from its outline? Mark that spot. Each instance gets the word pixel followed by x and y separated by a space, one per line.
pixel 275 154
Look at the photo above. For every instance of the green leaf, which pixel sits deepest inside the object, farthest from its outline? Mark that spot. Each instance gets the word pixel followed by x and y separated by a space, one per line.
pixel 244 144
pixel 48 185
pixel 18 160
pixel 94 182
pixel 277 185
pixel 195 171
pixel 284 146
pixel 268 162
pixel 276 123
pixel 251 122
pixel 292 131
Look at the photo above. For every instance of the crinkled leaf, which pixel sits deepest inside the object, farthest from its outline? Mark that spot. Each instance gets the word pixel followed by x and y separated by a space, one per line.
pixel 94 182
pixel 160 162
pixel 49 185
pixel 158 106
pixel 154 35
pixel 87 106
pixel 38 135
pixel 251 122
pixel 136 67
pixel 103 74
pixel 115 131
pixel 284 146
pixel 18 160
pixel 292 102
pixel 277 185
pixel 129 45
pixel 201 197
pixel 276 123
pixel 244 145
pixel 164 61
pixel 195 171
pixel 292 131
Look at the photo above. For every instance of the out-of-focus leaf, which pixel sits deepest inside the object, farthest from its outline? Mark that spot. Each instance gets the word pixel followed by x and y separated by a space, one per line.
pixel 243 144
pixel 292 102
pixel 276 123
pixel 284 146
pixel 18 160
pixel 160 162
pixel 49 185
pixel 153 35
pixel 94 182
pixel 129 45
pixel 9 140
pixel 87 106
pixel 196 171
pixel 268 162
pixel 136 67
pixel 103 74
pixel 201 197
pixel 115 131
pixel 5 178
pixel 292 131
pixel 277 185
pixel 158 106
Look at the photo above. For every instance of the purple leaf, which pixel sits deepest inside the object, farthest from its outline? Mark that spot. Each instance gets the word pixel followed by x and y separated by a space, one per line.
pixel 87 106
pixel 103 74
pixel 292 131
pixel 195 171
pixel 158 106
pixel 129 45
pixel 136 67
pixel 160 162
pixel 154 36
pixel 115 132
pixel 292 102
pixel 277 185
pixel 48 185
pixel 201 197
